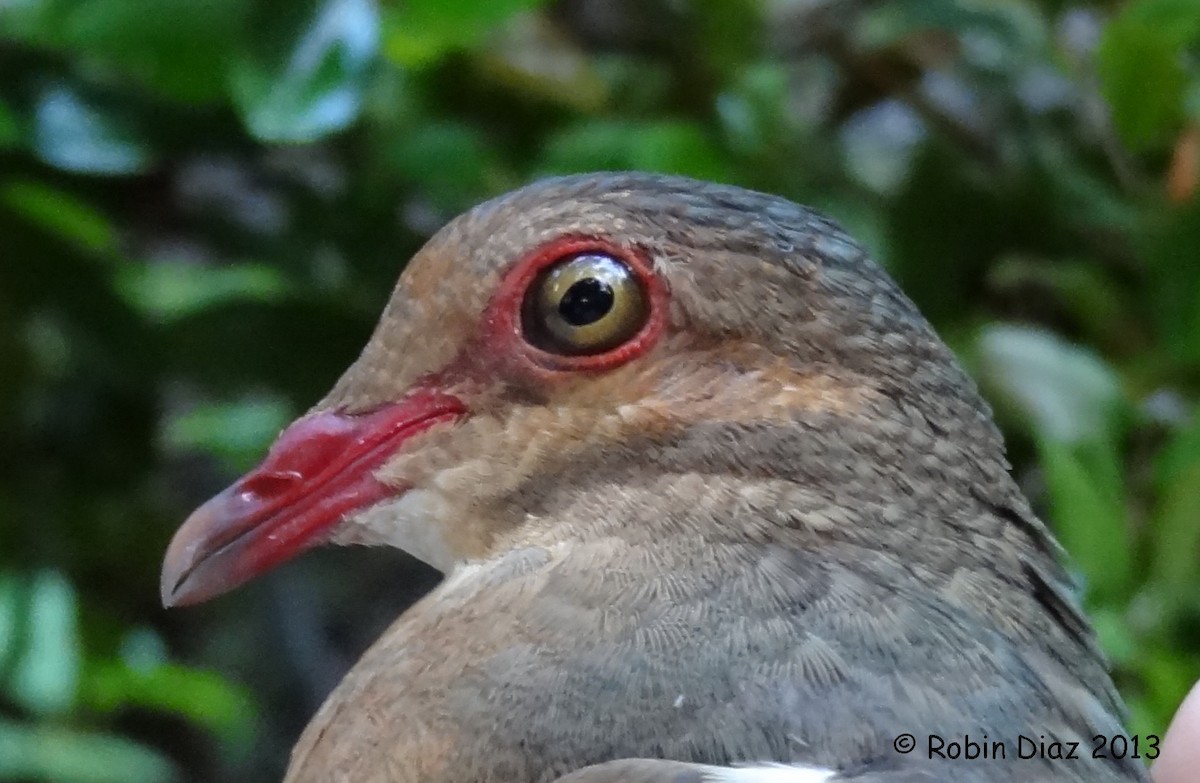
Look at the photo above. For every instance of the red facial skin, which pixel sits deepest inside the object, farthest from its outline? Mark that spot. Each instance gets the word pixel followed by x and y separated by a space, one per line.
pixel 321 469
pixel 501 331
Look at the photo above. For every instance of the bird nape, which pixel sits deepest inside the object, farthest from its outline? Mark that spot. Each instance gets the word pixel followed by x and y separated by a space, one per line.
pixel 713 503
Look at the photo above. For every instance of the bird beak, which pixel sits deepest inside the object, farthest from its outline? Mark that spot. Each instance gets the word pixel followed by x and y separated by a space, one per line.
pixel 320 470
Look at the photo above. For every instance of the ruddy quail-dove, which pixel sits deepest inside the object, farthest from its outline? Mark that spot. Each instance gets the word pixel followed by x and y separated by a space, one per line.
pixel 713 503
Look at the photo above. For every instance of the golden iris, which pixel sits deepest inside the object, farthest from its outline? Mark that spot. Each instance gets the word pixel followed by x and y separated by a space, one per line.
pixel 586 304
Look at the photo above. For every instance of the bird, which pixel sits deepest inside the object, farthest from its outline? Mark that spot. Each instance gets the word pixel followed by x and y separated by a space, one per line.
pixel 712 501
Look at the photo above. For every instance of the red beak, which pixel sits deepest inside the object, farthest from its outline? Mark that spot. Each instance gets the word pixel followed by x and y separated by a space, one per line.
pixel 320 469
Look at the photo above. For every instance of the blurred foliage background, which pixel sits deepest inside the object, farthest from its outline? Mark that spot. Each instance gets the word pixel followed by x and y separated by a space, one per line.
pixel 204 205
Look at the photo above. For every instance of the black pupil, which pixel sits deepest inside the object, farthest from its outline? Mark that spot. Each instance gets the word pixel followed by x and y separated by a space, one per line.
pixel 586 302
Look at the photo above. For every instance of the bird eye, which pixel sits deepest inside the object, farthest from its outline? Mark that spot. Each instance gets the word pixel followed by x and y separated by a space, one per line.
pixel 585 304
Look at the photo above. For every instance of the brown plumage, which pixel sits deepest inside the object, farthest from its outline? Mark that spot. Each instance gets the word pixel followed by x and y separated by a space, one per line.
pixel 772 523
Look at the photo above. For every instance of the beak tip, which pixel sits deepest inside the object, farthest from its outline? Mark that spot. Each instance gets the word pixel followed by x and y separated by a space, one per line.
pixel 183 586
pixel 167 591
pixel 181 582
pixel 172 580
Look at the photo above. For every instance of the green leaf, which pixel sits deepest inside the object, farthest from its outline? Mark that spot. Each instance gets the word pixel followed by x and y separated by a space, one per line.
pixel 10 127
pixel 1176 522
pixel 314 86
pixel 1142 67
pixel 236 432
pixel 666 147
pixel 37 22
pixel 749 109
pixel 1067 393
pixel 73 133
pixel 45 752
pixel 1177 456
pixel 420 32
pixel 62 214
pixel 1165 675
pixel 45 674
pixel 180 49
pixel 202 697
pixel 728 33
pixel 1177 533
pixel 1178 20
pixel 1008 28
pixel 1172 249
pixel 944 228
pixel 11 621
pixel 1086 291
pixel 452 163
pixel 1088 509
pixel 171 290
pixel 1114 634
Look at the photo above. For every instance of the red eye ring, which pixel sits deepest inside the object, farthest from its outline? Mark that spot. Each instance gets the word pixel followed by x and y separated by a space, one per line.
pixel 504 316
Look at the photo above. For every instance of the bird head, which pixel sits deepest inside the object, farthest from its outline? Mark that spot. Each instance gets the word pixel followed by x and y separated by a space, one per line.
pixel 589 356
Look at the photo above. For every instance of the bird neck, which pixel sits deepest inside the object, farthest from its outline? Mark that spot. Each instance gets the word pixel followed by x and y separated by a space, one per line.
pixel 772 573
pixel 895 468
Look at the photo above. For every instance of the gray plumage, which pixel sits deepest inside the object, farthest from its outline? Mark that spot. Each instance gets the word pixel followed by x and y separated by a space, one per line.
pixel 787 533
